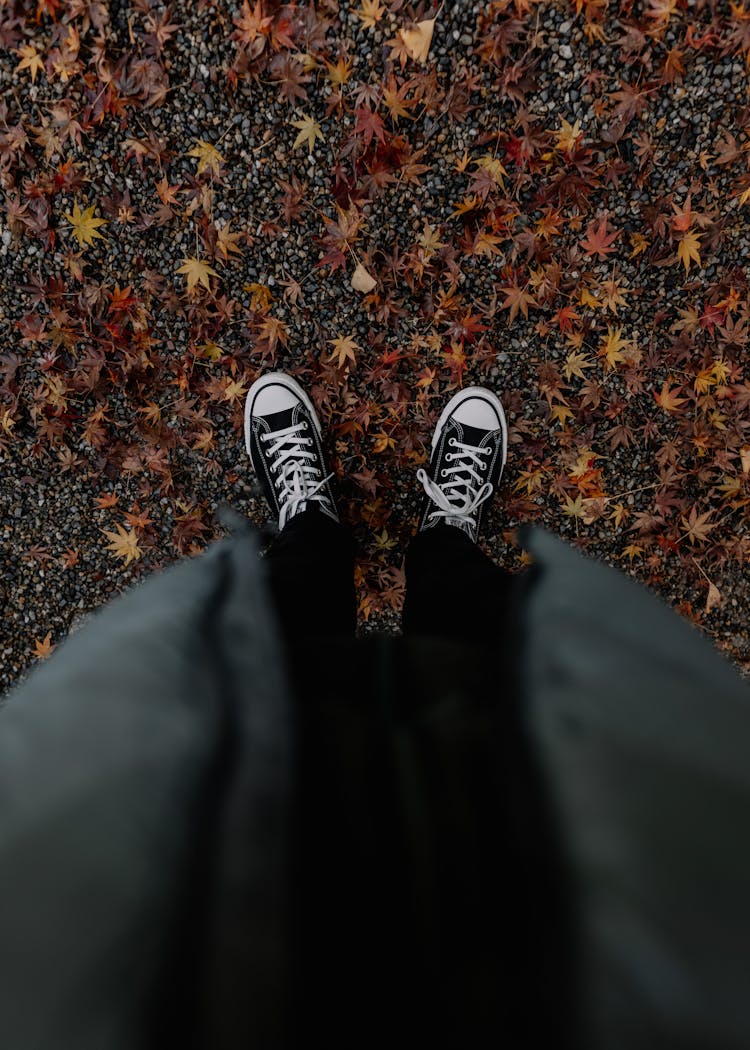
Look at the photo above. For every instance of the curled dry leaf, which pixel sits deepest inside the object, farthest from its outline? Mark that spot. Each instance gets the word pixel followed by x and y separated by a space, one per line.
pixel 713 598
pixel 417 41
pixel 362 281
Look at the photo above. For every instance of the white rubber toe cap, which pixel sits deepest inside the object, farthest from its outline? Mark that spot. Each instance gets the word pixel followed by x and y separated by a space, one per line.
pixel 477 412
pixel 273 398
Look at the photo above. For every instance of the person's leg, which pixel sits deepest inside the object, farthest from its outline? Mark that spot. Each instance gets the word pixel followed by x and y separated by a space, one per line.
pixel 310 563
pixel 453 590
pixel 310 567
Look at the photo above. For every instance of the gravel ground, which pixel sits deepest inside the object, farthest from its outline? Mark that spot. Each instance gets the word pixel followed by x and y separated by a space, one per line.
pixel 120 394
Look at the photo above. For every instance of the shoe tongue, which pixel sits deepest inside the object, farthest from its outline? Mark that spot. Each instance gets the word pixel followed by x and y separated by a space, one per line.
pixel 470 435
pixel 280 420
pixel 462 524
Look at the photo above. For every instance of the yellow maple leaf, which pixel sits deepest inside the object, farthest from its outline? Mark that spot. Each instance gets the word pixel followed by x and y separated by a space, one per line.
pixel 568 135
pixel 429 241
pixel 370 12
pixel 383 542
pixel 575 364
pixel 704 380
pixel 212 351
pixel 260 296
pixel 493 167
pixel 417 41
pixel 234 391
pixel 587 298
pixel 633 550
pixel 612 347
pixel 30 60
pixel 687 249
pixel 209 158
pixel 309 131
pixel 560 413
pixel 85 225
pixel 124 544
pixel 7 422
pixel 197 271
pixel 574 507
pixel 340 73
pixel 343 348
pixel 638 243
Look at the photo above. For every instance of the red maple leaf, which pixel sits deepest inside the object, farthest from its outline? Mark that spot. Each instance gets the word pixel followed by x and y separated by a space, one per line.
pixel 370 124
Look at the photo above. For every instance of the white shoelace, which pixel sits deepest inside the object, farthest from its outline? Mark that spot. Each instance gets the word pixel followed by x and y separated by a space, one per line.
pixel 463 511
pixel 295 473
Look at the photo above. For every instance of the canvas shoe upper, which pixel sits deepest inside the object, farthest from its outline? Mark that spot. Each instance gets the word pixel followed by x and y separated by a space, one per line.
pixel 469 449
pixel 283 440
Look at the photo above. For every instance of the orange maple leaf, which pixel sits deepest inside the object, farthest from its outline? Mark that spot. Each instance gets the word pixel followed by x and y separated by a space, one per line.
pixel 667 399
pixel 42 649
pixel 597 241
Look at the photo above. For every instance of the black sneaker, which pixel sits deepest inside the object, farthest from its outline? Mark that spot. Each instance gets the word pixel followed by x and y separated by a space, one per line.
pixel 283 440
pixel 469 448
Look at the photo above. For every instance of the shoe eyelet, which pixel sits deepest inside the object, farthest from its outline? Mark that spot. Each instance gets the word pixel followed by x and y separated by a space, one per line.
pixel 443 473
pixel 452 442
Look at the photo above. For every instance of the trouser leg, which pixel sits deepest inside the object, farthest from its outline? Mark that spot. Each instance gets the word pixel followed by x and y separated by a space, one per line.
pixel 453 590
pixel 311 572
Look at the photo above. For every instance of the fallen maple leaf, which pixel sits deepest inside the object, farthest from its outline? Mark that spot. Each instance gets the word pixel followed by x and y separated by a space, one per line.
pixel 343 347
pixel 687 249
pixel 309 131
pixel 30 60
pixel 370 13
pixel 362 281
pixel 417 41
pixel 209 158
pixel 574 508
pixel 234 391
pixel 124 544
pixel 575 363
pixel 226 241
pixel 612 347
pixel 197 272
pixel 683 217
pixel 71 557
pixel 44 648
pixel 517 299
pixel 667 399
pixel 696 526
pixel 568 135
pixel 597 241
pixel 85 225
pixel 252 24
